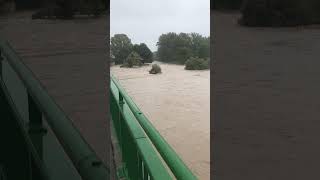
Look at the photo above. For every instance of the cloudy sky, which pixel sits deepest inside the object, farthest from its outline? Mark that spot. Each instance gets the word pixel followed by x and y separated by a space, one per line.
pixel 145 20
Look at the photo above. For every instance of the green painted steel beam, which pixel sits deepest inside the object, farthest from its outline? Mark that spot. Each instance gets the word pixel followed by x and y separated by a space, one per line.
pixel 89 166
pixel 177 166
pixel 150 157
pixel 37 164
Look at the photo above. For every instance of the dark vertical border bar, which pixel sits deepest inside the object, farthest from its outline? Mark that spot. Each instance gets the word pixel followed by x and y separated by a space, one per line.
pixel 110 150
pixel 212 92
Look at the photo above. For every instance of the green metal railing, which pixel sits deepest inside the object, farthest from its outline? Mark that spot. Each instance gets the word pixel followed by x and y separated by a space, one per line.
pixel 25 104
pixel 40 104
pixel 132 128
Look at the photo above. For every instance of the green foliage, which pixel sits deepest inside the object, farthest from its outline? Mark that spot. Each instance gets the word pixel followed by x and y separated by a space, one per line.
pixel 155 56
pixel 155 69
pixel 133 59
pixel 195 63
pixel 177 48
pixel 280 12
pixel 145 53
pixel 200 45
pixel 111 60
pixel 120 47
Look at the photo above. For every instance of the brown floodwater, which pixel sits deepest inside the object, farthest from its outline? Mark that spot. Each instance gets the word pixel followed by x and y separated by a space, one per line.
pixel 177 102
pixel 266 101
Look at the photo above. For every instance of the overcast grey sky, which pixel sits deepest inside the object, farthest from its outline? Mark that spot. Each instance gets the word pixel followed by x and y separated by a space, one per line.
pixel 145 20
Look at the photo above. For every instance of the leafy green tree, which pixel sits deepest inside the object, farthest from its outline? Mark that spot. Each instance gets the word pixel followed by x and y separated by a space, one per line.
pixel 165 45
pixel 204 51
pixel 133 59
pixel 178 48
pixel 174 47
pixel 183 48
pixel 120 47
pixel 155 56
pixel 145 53
pixel 200 45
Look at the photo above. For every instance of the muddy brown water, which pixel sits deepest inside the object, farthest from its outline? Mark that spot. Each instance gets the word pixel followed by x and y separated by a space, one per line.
pixel 177 102
pixel 266 107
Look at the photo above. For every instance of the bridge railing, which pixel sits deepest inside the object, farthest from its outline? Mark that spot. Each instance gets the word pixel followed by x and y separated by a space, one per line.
pixel 39 104
pixel 138 137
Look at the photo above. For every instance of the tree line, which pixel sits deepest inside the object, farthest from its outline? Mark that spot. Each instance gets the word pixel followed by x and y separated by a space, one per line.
pixel 121 48
pixel 172 48
pixel 273 12
pixel 178 48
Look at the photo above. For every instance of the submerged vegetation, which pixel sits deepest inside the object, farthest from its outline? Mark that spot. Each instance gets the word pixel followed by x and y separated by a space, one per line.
pixel 155 69
pixel 195 63
pixel 172 48
pixel 132 60
pixel 177 48
pixel 121 47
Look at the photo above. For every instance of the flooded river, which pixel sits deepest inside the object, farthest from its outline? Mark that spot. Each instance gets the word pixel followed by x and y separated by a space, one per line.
pixel 177 102
pixel 266 103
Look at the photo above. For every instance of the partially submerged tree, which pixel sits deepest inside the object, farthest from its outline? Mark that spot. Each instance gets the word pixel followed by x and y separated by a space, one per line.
pixel 145 53
pixel 177 48
pixel 132 60
pixel 120 47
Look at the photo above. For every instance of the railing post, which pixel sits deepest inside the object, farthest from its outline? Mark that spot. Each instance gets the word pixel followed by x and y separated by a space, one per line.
pixel 121 127
pixel 121 102
pixel 36 132
pixel 36 129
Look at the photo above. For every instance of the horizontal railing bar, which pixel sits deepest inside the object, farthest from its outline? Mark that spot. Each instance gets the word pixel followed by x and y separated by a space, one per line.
pixel 83 157
pixel 150 157
pixel 177 166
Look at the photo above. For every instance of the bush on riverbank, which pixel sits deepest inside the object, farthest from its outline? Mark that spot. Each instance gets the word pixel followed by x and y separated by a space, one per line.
pixel 195 63
pixel 144 52
pixel 155 69
pixel 132 60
